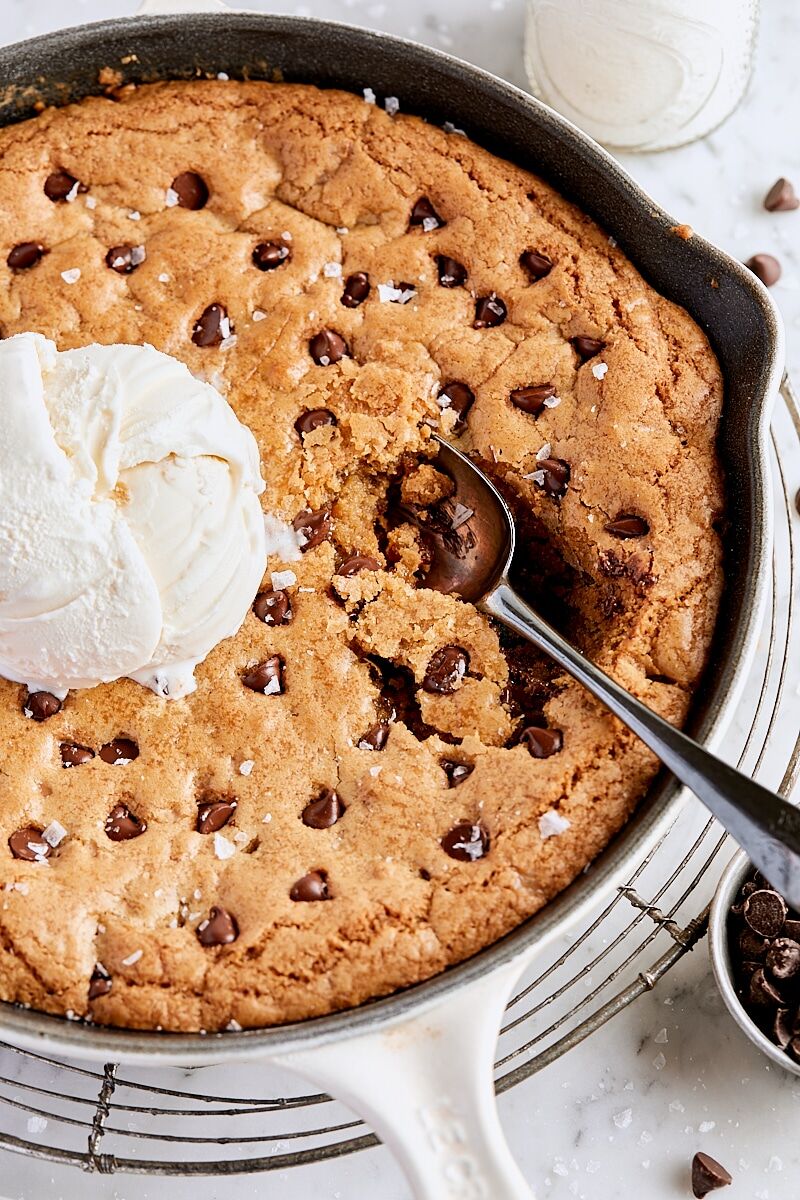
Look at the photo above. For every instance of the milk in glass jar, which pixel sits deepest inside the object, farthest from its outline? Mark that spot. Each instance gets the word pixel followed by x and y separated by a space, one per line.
pixel 641 74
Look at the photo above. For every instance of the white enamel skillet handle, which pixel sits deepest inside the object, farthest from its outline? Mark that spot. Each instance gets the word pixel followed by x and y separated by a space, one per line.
pixel 425 1086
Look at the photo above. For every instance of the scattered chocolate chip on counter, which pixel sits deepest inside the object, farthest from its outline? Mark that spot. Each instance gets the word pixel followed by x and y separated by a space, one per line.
pixel 781 197
pixel 708 1175
pixel 766 268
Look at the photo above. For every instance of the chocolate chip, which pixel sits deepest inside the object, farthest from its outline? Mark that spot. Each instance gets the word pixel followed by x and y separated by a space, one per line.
pixel 313 526
pixel 324 811
pixel 122 825
pixel 423 213
pixel 269 255
pixel 191 190
pixel 356 289
pixel 218 929
pixel 763 991
pixel 41 705
pixel 752 945
pixel 376 736
pixel 328 347
pixel 586 347
pixel 73 755
pixel 313 418
pixel 452 274
pixel 461 400
pixel 124 259
pixel 765 266
pixel 213 815
pixel 555 476
pixel 273 608
pixel 455 771
pixel 119 752
pixel 707 1175
pixel 781 197
pixel 25 255
pixel 783 958
pixel 28 844
pixel 100 983
pixel 531 399
pixel 59 185
pixel 765 911
pixel 446 670
pixel 212 326
pixel 313 886
pixel 489 311
pixel 783 1027
pixel 541 743
pixel 267 677
pixel 357 563
pixel 537 265
pixel 626 525
pixel 466 842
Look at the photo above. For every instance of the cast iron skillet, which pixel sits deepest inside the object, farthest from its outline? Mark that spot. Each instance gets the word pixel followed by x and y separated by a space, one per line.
pixel 723 297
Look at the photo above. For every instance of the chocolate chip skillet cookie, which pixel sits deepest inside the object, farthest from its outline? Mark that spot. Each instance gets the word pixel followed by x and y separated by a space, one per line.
pixel 370 781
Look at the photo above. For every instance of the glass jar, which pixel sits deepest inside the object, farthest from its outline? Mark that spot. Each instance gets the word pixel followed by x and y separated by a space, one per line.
pixel 641 74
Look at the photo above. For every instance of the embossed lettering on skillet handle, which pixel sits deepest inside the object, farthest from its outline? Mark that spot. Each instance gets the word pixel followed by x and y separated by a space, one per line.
pixel 424 1084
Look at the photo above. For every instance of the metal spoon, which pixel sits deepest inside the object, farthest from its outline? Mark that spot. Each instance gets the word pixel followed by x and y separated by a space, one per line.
pixel 473 562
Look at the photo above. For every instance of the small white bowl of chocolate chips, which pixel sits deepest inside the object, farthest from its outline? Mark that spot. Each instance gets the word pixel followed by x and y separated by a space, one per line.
pixel 754 938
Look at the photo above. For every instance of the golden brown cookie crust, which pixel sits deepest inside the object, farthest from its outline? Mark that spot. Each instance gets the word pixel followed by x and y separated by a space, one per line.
pixel 335 179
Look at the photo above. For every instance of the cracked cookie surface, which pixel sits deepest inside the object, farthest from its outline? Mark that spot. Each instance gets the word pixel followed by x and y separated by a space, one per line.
pixel 371 781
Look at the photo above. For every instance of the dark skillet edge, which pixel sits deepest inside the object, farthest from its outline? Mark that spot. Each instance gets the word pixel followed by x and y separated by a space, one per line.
pixel 737 315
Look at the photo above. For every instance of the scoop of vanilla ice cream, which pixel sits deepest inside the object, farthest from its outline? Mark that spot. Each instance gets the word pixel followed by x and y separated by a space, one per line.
pixel 131 534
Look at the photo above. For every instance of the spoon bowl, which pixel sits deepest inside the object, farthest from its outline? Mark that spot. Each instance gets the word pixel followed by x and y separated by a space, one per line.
pixel 472 560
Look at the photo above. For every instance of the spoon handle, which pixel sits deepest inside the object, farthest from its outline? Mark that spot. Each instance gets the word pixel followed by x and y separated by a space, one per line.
pixel 766 826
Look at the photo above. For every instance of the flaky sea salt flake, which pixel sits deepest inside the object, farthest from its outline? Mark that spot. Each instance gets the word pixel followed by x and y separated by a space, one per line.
pixel 283 579
pixel 132 959
pixel 222 847
pixel 392 105
pixel 551 824
pixel 71 276
pixel 333 270
pixel 54 834
pixel 544 452
pixel 369 95
pixel 246 767
pixel 171 198
pixel 599 370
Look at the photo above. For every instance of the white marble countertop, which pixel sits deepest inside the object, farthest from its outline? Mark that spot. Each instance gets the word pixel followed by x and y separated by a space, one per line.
pixel 622 1114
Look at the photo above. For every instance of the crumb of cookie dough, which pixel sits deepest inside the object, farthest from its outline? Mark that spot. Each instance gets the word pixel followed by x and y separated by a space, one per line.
pixel 426 485
pixel 246 898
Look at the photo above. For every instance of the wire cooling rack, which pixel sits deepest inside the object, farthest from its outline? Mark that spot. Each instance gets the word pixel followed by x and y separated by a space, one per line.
pixel 204 1121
